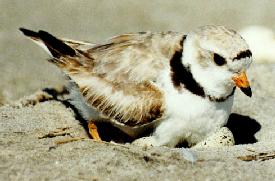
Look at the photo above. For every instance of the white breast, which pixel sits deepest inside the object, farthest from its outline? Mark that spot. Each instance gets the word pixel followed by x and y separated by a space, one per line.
pixel 191 117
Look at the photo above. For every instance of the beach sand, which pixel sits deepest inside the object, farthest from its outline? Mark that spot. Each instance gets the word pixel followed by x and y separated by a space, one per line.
pixel 46 142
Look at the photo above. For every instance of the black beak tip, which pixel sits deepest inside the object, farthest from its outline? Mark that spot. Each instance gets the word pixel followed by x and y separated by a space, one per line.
pixel 247 91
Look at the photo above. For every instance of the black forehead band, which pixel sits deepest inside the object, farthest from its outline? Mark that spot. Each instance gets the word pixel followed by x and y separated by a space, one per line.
pixel 243 54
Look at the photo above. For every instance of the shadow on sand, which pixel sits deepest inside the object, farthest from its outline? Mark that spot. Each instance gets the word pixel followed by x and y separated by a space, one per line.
pixel 243 128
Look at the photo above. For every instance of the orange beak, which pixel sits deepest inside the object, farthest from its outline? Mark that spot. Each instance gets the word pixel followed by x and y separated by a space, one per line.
pixel 242 82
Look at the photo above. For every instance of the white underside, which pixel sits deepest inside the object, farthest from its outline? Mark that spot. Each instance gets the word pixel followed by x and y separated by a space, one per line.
pixel 188 117
pixel 191 118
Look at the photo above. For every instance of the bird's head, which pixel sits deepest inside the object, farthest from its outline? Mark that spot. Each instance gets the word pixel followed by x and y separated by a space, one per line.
pixel 218 59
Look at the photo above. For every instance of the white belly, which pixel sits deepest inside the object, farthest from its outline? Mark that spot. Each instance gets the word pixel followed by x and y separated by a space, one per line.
pixel 192 117
pixel 187 117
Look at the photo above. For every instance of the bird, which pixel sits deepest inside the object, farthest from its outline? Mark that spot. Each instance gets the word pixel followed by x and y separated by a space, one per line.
pixel 180 85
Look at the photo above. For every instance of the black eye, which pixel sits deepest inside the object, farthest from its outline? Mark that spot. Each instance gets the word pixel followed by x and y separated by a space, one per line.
pixel 219 60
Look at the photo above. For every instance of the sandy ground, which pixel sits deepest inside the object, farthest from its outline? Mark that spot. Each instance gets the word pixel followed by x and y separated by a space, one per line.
pixel 34 145
pixel 47 141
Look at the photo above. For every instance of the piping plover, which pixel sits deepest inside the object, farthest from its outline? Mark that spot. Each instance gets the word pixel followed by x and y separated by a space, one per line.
pixel 181 85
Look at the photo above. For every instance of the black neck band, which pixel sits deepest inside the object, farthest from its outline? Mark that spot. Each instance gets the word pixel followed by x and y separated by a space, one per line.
pixel 182 76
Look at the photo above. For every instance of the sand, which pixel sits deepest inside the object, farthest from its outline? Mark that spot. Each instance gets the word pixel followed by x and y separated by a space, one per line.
pixel 47 141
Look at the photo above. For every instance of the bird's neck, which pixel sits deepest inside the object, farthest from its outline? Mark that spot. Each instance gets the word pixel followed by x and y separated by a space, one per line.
pixel 200 82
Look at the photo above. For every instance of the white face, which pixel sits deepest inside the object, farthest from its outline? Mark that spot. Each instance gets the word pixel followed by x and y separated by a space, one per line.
pixel 214 64
pixel 234 61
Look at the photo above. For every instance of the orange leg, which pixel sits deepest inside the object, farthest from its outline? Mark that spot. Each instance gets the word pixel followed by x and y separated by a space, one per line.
pixel 93 131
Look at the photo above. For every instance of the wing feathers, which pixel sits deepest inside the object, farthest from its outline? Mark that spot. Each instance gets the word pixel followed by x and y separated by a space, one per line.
pixel 56 47
pixel 132 104
pixel 116 77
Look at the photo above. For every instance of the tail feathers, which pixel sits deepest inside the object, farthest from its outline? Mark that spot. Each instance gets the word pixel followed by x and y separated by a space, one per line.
pixel 51 44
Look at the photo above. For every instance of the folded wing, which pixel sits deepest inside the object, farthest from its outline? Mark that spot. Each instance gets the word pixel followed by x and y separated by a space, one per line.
pixel 118 76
